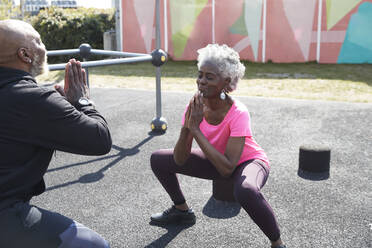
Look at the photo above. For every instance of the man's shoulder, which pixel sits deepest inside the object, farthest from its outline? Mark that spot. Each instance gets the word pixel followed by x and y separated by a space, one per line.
pixel 10 76
pixel 23 100
pixel 26 92
pixel 30 87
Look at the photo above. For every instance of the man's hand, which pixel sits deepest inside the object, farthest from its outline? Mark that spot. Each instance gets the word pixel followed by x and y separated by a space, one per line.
pixel 75 82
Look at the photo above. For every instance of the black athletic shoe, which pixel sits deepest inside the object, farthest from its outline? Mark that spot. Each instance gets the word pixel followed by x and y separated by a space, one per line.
pixel 280 246
pixel 174 215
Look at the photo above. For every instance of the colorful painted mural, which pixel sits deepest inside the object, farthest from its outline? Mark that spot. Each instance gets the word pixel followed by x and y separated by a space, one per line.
pixel 282 31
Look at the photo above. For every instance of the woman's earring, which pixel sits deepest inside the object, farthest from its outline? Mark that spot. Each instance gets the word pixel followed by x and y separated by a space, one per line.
pixel 222 95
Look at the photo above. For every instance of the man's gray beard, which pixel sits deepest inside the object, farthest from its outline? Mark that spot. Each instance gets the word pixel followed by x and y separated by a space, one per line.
pixel 39 67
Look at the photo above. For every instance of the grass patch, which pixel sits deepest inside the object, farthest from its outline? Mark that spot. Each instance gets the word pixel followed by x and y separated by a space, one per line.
pixel 335 82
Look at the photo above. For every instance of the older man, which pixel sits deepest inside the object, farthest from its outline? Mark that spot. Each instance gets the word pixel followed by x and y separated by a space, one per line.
pixel 34 122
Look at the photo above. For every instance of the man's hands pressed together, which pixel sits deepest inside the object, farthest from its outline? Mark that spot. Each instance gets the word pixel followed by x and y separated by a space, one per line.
pixel 75 82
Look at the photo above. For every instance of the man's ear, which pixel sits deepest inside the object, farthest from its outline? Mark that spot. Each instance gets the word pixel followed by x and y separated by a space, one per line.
pixel 24 55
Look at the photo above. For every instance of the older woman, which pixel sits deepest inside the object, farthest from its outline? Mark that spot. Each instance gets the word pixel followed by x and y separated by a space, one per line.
pixel 221 127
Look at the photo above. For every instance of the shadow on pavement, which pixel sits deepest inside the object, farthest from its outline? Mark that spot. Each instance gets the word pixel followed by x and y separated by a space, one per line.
pixel 165 239
pixel 221 209
pixel 98 175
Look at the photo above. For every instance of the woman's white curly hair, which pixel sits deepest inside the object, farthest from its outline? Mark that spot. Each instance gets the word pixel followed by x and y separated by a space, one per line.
pixel 227 61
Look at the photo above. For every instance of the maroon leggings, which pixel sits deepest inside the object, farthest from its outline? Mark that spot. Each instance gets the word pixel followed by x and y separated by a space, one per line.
pixel 249 177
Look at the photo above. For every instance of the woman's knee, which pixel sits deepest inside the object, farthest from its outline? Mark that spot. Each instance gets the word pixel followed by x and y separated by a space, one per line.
pixel 158 158
pixel 154 159
pixel 246 192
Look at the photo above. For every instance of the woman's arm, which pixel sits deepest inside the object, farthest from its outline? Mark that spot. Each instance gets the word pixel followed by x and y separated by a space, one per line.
pixel 183 146
pixel 184 143
pixel 224 163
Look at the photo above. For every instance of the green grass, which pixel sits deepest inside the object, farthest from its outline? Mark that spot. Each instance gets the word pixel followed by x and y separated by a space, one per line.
pixel 335 82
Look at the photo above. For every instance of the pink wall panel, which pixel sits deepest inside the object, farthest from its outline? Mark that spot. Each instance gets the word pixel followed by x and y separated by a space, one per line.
pixel 290 35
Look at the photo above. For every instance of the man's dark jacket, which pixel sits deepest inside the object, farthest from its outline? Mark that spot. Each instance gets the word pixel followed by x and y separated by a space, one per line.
pixel 35 121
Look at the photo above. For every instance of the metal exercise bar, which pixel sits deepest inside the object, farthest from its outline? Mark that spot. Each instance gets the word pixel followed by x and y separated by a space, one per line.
pixel 105 62
pixel 115 53
pixel 63 52
pixel 94 51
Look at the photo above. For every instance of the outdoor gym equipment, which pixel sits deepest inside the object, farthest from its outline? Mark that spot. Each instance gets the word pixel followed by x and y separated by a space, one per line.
pixel 314 161
pixel 158 57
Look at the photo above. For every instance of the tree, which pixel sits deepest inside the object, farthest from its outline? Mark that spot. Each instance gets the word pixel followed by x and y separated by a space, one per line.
pixel 8 10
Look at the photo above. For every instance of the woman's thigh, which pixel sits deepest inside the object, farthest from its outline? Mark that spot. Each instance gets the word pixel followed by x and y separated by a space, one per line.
pixel 197 165
pixel 252 174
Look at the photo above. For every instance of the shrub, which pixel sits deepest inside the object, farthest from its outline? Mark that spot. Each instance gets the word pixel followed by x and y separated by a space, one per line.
pixel 7 10
pixel 68 28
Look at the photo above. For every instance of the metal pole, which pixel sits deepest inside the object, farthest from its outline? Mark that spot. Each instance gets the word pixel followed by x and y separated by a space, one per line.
pixel 87 73
pixel 21 5
pixel 105 62
pixel 96 52
pixel 116 53
pixel 158 92
pixel 158 124
pixel 85 51
pixel 63 52
pixel 165 27
pixel 158 71
pixel 118 24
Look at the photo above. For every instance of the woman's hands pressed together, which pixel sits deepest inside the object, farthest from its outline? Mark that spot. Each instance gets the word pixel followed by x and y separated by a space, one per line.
pixel 194 114
pixel 75 82
pixel 193 118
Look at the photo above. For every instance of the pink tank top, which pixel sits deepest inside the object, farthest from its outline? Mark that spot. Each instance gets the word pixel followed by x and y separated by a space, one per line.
pixel 236 123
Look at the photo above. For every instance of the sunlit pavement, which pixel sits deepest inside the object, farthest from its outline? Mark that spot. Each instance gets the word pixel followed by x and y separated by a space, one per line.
pixel 115 194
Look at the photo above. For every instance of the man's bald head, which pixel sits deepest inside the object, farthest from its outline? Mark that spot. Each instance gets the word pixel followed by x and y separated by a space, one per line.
pixel 14 34
pixel 21 46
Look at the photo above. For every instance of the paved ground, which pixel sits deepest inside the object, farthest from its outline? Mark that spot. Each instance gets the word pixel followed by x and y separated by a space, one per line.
pixel 116 194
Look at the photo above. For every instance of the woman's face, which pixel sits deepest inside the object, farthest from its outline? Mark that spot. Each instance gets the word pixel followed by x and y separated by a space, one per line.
pixel 210 82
